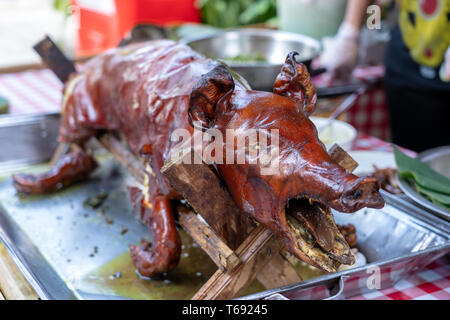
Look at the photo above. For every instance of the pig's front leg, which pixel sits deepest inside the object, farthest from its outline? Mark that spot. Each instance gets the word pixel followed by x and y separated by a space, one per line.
pixel 71 167
pixel 163 254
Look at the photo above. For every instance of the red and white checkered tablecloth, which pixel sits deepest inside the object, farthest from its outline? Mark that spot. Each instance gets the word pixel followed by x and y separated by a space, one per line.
pixel 31 91
pixel 369 114
pixel 432 283
pixel 40 91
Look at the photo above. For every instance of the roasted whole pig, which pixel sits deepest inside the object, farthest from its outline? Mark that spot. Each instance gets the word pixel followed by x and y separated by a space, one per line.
pixel 145 91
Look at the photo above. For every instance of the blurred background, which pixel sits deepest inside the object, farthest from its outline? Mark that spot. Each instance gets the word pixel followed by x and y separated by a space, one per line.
pixel 87 27
pixel 382 75
pixel 83 28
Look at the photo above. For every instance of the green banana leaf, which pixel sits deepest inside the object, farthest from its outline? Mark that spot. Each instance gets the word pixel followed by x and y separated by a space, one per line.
pixel 437 197
pixel 421 173
pixel 428 182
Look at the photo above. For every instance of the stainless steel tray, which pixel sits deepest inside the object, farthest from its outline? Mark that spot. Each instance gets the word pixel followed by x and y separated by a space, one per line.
pixel 56 241
pixel 398 240
pixel 27 139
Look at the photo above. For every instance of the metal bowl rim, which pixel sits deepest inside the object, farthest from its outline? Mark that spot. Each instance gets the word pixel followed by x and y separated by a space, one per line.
pixel 432 153
pixel 285 35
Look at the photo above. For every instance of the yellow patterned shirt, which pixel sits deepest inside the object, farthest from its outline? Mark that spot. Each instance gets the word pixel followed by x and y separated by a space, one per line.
pixel 425 28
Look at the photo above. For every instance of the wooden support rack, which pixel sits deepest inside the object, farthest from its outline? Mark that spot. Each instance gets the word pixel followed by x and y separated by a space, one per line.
pixel 237 268
pixel 257 253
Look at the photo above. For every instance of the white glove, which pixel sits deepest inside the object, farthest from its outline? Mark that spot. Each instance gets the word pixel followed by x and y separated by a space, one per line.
pixel 445 68
pixel 341 53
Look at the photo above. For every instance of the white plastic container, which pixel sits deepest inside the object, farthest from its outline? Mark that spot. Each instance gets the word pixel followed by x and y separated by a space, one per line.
pixel 339 132
pixel 315 18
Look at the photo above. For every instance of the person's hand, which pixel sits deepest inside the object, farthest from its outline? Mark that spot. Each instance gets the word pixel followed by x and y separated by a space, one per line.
pixel 341 53
pixel 445 68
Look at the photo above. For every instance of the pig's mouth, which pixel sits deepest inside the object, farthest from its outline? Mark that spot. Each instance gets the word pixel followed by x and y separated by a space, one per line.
pixel 312 235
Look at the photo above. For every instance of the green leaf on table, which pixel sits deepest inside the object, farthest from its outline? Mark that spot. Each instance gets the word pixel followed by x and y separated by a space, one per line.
pixel 421 173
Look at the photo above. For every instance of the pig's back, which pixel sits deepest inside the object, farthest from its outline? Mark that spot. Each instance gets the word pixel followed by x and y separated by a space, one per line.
pixel 141 90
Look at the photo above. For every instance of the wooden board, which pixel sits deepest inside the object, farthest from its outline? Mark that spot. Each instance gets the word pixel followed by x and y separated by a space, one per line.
pixel 205 192
pixel 343 158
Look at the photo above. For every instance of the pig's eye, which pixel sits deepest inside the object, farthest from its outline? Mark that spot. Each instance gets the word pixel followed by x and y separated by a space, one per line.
pixel 356 194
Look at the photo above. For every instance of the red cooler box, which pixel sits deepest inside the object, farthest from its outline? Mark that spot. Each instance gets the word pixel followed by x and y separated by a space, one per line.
pixel 103 23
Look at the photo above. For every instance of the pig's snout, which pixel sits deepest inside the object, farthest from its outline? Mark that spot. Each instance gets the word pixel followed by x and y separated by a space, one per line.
pixel 362 192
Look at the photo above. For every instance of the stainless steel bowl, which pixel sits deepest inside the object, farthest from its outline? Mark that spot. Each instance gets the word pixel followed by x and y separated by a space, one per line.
pixel 273 45
pixel 438 159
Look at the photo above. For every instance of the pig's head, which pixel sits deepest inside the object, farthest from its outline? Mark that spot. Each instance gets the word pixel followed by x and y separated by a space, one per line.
pixel 293 200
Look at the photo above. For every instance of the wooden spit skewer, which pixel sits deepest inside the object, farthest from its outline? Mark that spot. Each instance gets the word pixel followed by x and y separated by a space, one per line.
pixel 217 250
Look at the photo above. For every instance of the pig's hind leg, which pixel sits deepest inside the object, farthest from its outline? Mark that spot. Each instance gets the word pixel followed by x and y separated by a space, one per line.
pixel 162 254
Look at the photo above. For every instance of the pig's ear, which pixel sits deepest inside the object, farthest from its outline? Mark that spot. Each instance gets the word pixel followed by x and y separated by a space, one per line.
pixel 294 82
pixel 207 93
